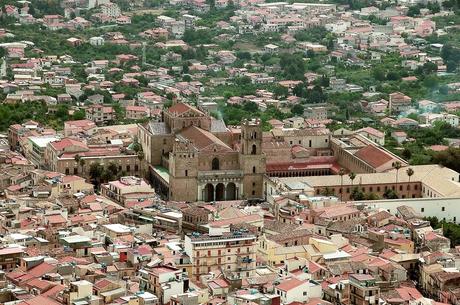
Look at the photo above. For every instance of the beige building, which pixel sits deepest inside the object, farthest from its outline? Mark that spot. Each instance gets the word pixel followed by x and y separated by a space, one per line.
pixel 431 181
pixel 61 156
pixel 232 252
pixel 363 290
pixel 128 188
pixel 194 157
pixel 137 112
pixel 100 114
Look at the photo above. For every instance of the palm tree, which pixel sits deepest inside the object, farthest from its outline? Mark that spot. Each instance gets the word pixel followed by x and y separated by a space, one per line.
pixel 410 173
pixel 352 177
pixel 397 165
pixel 82 165
pixel 77 159
pixel 341 173
pixel 140 156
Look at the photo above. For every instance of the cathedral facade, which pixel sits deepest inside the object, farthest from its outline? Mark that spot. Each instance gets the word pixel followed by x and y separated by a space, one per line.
pixel 195 157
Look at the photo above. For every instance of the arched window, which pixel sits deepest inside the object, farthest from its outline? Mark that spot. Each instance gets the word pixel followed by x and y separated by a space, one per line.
pixel 253 169
pixel 215 164
pixel 254 149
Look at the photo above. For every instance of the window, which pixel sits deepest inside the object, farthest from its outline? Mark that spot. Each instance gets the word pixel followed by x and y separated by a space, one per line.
pixel 254 149
pixel 400 187
pixel 215 164
pixel 422 210
pixel 186 173
pixel 304 293
pixel 253 169
pixel 443 209
pixel 128 168
pixel 253 193
pixel 309 143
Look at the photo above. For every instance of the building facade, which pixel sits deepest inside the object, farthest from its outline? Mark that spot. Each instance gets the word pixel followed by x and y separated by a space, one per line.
pixel 231 252
pixel 197 158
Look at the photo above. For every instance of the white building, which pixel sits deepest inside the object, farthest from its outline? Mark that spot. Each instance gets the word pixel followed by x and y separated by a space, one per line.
pixel 431 118
pixel 372 134
pixel 163 281
pixel 96 41
pixel 294 290
pixel 111 10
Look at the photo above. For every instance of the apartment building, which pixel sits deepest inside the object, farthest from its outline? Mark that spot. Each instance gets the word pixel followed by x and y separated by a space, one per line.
pixel 61 156
pixel 232 252
pixel 100 114
pixel 9 258
pixel 128 188
pixel 35 149
pixel 363 290
pixel 163 281
pixel 111 10
pixel 137 112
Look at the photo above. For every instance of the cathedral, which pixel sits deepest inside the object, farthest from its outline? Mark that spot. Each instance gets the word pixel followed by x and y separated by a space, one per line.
pixel 195 157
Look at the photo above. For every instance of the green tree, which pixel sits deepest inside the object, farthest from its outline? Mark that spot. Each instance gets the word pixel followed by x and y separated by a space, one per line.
pixel 352 177
pixel 397 166
pixel 357 194
pixel 390 194
pixel 297 110
pixel 431 81
pixel 451 56
pixel 413 11
pixel 280 91
pixel 293 66
pixel 95 173
pixel 410 172
pixel 378 74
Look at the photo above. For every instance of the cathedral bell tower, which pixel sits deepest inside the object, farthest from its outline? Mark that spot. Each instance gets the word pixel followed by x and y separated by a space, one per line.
pixel 252 160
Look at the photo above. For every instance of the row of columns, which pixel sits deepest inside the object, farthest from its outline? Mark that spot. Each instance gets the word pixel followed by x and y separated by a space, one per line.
pixel 205 192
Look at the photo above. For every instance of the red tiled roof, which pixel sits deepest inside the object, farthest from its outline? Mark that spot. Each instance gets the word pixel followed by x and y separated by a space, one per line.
pixel 373 156
pixel 102 284
pixel 179 108
pixel 290 284
pixel 202 138
pixel 53 291
pixel 39 284
pixel 64 143
pixel 41 269
pixel 55 219
pixel 40 300
pixel 409 293
pixel 7 251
